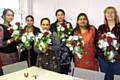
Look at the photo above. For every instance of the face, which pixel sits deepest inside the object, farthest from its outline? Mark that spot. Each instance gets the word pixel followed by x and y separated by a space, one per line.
pixel 110 15
pixel 45 25
pixel 8 16
pixel 29 21
pixel 82 21
pixel 60 16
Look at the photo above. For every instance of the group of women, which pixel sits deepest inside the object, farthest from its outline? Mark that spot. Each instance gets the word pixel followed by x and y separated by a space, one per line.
pixel 59 57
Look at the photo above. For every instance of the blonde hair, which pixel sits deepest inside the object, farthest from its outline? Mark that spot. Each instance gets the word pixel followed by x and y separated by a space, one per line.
pixel 115 12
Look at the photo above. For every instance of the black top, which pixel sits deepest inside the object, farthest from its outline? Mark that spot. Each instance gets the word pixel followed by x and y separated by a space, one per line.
pixel 8 48
pixel 33 54
pixel 104 29
pixel 63 52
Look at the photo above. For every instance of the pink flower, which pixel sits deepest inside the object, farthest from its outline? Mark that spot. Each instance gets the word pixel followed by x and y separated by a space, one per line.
pixel 17 23
pixel 109 40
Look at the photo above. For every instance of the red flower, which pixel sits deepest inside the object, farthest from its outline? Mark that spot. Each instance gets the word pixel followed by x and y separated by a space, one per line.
pixel 65 42
pixel 80 44
pixel 118 56
pixel 110 48
pixel 11 30
pixel 73 43
pixel 23 31
pixel 17 23
pixel 109 40
pixel 46 33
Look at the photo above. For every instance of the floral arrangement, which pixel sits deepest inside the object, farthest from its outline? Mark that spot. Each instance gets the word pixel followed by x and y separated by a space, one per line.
pixel 76 45
pixel 108 44
pixel 26 40
pixel 64 30
pixel 43 40
pixel 16 31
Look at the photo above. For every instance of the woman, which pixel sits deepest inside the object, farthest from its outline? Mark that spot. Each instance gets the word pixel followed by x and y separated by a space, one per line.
pixel 87 31
pixel 47 58
pixel 111 24
pixel 8 50
pixel 33 55
pixel 61 49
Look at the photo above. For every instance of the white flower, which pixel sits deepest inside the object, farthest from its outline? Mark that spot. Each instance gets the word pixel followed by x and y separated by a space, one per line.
pixel 82 42
pixel 75 37
pixel 49 41
pixel 111 55
pixel 79 56
pixel 76 48
pixel 30 36
pixel 40 35
pixel 58 28
pixel 71 48
pixel 105 44
pixel 70 38
pixel 24 39
pixel 63 40
pixel 16 32
pixel 15 27
pixel 62 28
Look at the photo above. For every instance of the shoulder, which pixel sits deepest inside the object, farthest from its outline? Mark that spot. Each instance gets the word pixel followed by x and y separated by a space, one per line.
pixel 37 29
pixel 54 24
pixel 101 26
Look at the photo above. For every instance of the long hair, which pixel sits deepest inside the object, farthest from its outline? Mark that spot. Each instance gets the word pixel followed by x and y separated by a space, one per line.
pixel 77 28
pixel 115 12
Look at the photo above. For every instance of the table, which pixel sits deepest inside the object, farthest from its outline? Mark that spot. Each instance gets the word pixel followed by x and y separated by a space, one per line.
pixel 42 74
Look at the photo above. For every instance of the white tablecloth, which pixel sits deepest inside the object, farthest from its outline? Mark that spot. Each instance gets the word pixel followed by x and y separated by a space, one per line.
pixel 42 74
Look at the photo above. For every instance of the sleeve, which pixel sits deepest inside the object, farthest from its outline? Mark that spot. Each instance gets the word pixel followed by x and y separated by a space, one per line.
pixel 2 43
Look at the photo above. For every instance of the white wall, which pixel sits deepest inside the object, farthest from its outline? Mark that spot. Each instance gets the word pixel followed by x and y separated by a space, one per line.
pixel 93 8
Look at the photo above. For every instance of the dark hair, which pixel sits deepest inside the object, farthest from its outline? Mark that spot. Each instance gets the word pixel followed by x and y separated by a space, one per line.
pixel 77 26
pixel 60 10
pixel 44 19
pixel 5 11
pixel 29 16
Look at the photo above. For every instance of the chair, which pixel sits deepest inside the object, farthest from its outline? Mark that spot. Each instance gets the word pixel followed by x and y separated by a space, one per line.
pixel 88 74
pixel 14 67
pixel 116 77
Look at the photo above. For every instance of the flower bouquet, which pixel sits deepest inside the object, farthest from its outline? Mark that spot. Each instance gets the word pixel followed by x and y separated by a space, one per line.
pixel 26 40
pixel 64 30
pixel 108 44
pixel 76 45
pixel 16 31
pixel 43 40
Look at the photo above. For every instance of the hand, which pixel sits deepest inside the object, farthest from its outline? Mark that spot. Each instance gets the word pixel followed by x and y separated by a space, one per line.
pixel 10 41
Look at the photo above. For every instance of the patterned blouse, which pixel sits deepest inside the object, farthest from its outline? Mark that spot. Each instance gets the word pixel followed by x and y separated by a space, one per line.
pixel 116 31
